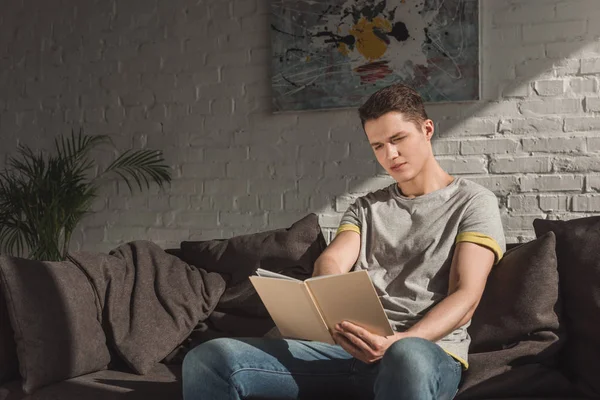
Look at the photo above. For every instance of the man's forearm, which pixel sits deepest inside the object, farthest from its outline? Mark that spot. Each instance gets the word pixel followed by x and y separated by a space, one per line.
pixel 448 315
pixel 327 266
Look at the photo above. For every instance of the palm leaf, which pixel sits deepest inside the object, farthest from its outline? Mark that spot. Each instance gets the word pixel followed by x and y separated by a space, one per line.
pixel 14 232
pixel 12 240
pixel 78 145
pixel 31 165
pixel 142 167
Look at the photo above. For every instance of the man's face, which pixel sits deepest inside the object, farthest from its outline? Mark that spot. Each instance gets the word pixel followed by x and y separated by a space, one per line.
pixel 402 147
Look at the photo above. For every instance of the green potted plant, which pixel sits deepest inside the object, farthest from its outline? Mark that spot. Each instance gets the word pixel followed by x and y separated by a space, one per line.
pixel 44 197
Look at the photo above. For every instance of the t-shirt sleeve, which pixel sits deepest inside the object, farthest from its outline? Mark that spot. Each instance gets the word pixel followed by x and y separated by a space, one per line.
pixel 481 224
pixel 350 220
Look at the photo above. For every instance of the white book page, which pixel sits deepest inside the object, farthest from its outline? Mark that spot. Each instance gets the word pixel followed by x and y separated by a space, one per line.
pixel 270 274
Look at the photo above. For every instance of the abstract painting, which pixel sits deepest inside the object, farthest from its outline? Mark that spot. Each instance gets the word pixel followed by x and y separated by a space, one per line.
pixel 335 53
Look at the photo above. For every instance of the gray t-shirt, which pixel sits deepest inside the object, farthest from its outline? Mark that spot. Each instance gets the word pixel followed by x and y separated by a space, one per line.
pixel 407 247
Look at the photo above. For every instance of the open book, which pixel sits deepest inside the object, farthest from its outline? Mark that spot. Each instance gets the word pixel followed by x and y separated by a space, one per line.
pixel 310 309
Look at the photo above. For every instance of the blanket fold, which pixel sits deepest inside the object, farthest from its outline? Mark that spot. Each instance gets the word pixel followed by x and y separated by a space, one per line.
pixel 149 300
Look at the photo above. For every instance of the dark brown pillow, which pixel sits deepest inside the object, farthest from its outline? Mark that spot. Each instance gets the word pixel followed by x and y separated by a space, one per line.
pixel 290 251
pixel 577 244
pixel 56 320
pixel 520 298
pixel 515 330
pixel 9 364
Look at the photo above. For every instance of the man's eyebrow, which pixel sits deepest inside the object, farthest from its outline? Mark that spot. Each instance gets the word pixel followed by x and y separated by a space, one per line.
pixel 390 138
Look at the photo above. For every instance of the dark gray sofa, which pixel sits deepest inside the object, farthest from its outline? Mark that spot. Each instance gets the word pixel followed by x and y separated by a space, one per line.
pixel 162 383
pixel 519 351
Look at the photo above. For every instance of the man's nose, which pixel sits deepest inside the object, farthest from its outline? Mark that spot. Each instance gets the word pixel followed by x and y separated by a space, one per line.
pixel 391 151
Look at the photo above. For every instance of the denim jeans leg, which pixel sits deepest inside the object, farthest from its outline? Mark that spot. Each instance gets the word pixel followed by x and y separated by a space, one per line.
pixel 266 368
pixel 414 368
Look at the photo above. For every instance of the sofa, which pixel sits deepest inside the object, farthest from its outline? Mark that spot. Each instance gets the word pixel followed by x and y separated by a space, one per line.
pixel 535 334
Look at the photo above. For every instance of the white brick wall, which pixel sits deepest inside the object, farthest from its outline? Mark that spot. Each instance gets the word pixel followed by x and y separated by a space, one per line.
pixel 192 78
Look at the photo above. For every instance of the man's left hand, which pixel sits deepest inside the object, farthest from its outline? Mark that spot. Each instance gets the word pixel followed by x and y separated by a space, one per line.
pixel 362 344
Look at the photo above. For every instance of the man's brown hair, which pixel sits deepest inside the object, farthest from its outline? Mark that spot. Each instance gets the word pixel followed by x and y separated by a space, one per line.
pixel 396 97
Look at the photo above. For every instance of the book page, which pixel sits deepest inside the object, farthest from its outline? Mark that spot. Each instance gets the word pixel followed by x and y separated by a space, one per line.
pixel 270 274
pixel 291 307
pixel 350 297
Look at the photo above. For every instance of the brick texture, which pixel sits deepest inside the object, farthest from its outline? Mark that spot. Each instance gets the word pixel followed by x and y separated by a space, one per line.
pixel 193 78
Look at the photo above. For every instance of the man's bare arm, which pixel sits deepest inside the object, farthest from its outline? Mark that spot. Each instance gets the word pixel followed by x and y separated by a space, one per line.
pixel 341 254
pixel 471 265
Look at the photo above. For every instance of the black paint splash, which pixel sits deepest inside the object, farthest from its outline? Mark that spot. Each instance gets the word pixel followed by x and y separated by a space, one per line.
pixel 428 43
pixel 370 12
pixel 349 40
pixel 324 13
pixel 399 32
pixel 294 50
pixel 285 33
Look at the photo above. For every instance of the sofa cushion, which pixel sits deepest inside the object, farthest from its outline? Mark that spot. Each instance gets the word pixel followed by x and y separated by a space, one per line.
pixel 579 271
pixel 9 364
pixel 56 320
pixel 290 251
pixel 162 382
pixel 515 330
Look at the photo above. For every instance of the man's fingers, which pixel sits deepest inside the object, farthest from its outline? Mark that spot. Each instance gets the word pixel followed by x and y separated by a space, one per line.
pixel 346 345
pixel 358 343
pixel 355 352
pixel 364 335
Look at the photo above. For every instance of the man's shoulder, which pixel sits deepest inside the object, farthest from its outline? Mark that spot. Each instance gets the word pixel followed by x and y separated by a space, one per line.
pixel 472 189
pixel 378 195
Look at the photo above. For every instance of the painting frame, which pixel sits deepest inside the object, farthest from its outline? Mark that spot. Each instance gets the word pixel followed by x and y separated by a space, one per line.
pixel 473 88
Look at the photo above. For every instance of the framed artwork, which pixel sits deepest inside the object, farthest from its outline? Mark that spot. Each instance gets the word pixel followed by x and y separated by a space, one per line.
pixel 335 53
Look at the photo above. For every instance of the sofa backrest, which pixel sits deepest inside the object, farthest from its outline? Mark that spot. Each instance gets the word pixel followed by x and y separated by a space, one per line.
pixel 9 364
pixel 512 245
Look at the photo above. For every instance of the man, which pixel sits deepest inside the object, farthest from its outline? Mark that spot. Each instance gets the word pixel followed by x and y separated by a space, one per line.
pixel 428 242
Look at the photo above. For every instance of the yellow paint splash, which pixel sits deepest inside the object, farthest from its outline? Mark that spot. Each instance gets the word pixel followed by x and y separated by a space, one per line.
pixel 367 43
pixel 343 48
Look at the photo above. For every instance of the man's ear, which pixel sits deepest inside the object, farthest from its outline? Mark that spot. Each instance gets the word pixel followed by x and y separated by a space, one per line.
pixel 428 128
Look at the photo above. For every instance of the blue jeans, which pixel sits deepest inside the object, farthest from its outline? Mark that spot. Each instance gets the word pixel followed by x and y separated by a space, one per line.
pixel 411 368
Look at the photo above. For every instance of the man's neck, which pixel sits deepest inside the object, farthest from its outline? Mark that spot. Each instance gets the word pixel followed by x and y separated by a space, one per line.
pixel 431 178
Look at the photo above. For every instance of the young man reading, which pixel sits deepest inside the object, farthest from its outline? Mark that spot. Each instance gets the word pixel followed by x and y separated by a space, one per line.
pixel 428 242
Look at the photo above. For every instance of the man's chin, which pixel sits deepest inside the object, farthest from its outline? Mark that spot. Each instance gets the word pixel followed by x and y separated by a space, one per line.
pixel 402 177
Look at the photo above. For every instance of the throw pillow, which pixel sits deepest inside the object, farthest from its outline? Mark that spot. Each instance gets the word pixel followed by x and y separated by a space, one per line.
pixel 579 271
pixel 56 320
pixel 520 298
pixel 290 251
pixel 515 330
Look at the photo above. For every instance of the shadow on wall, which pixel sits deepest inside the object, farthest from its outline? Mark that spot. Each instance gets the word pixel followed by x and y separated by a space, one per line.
pixel 525 140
